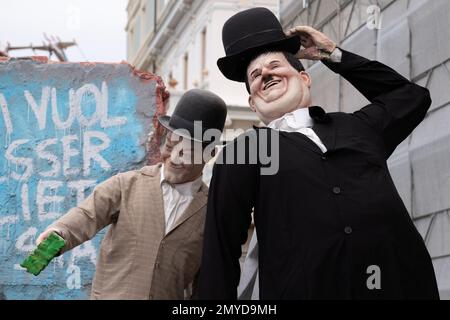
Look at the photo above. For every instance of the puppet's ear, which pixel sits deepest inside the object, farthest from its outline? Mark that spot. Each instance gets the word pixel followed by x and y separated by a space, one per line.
pixel 251 103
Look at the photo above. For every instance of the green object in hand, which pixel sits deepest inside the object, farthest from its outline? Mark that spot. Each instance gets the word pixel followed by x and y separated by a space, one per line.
pixel 43 254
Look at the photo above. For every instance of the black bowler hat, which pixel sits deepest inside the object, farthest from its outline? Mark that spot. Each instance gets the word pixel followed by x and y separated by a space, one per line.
pixel 196 106
pixel 248 33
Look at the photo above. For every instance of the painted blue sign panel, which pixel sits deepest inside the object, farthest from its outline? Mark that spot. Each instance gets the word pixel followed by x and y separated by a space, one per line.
pixel 63 129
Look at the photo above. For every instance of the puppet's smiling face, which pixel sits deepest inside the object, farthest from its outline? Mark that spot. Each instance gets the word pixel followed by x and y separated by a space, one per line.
pixel 276 87
pixel 178 156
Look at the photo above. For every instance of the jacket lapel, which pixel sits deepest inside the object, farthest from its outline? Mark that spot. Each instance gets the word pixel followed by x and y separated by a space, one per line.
pixel 199 201
pixel 154 200
pixel 323 127
pixel 327 135
pixel 301 141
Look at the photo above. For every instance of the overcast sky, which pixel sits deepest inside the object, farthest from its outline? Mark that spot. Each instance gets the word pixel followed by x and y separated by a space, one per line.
pixel 97 25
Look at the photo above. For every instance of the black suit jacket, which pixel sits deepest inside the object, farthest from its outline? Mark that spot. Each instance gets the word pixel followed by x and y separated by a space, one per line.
pixel 324 219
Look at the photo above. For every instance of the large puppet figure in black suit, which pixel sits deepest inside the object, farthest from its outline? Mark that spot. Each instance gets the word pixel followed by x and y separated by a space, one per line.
pixel 331 216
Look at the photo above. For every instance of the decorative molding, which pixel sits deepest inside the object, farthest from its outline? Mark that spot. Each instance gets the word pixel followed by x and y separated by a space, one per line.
pixel 131 16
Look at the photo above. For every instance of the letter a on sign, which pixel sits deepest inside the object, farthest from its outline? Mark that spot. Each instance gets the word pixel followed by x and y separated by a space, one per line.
pixel 374 281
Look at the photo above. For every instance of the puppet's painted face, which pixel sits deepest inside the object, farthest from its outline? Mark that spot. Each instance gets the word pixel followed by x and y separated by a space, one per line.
pixel 179 160
pixel 276 87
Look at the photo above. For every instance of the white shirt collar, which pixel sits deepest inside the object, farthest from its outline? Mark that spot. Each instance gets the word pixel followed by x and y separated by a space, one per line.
pixel 293 121
pixel 188 188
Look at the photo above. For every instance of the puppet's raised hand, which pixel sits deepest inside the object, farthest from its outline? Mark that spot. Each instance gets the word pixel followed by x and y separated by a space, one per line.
pixel 315 44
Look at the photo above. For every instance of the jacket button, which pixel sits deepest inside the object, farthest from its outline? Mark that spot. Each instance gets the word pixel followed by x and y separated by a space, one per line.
pixel 162 244
pixel 156 265
pixel 150 297
pixel 324 158
pixel 348 230
pixel 337 190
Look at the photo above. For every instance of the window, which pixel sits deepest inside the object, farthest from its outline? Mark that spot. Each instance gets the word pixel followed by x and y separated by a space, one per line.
pixel 160 5
pixel 150 15
pixel 203 55
pixel 130 43
pixel 137 34
pixel 186 71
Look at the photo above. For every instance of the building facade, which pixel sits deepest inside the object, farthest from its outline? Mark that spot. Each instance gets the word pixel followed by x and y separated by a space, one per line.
pixel 181 40
pixel 411 37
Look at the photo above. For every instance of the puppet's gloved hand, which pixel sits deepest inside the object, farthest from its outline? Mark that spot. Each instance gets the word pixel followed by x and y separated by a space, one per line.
pixel 316 45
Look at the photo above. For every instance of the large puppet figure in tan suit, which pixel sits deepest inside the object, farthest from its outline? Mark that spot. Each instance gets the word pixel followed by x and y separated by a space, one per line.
pixel 156 215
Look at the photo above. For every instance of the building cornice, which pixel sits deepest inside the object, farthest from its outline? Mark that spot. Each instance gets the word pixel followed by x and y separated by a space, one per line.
pixel 169 21
pixel 130 4
pixel 173 40
pixel 132 13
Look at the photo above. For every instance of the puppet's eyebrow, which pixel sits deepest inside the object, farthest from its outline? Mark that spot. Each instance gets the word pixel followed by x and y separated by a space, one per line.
pixel 253 72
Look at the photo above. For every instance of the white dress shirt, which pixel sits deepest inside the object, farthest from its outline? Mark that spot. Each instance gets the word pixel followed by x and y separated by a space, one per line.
pixel 298 121
pixel 177 198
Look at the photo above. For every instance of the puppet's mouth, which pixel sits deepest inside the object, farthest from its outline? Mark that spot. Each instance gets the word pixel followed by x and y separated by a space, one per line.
pixel 271 83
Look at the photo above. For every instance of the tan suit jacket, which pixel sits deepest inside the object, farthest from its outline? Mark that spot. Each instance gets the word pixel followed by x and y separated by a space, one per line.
pixel 137 260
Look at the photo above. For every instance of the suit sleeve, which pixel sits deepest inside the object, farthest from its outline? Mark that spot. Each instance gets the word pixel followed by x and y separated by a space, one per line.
pixel 397 106
pixel 96 212
pixel 230 202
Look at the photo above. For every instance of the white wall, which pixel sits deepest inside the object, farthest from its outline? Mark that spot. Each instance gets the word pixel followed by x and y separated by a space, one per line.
pixel 211 14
